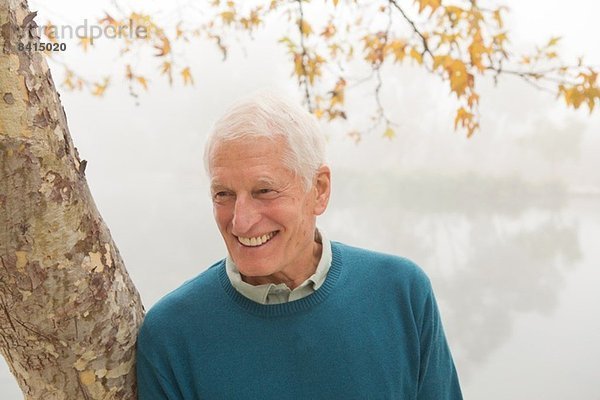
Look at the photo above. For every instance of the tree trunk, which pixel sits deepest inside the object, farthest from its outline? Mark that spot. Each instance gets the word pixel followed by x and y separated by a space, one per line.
pixel 69 313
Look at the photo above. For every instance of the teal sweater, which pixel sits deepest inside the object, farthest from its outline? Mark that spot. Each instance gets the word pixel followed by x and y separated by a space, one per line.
pixel 372 331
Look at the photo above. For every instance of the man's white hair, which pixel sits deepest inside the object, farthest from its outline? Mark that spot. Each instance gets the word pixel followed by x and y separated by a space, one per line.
pixel 266 114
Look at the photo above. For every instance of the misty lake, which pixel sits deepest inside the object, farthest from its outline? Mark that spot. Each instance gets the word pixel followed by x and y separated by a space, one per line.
pixel 515 266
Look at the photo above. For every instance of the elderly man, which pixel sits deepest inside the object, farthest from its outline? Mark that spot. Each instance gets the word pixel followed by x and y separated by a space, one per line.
pixel 289 314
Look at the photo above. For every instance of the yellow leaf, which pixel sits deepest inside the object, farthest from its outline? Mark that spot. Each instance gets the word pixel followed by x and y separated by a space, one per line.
pixel 466 120
pixel 50 32
pixel 473 99
pixel 500 38
pixel 228 16
pixel 305 27
pixel 498 18
pixel 85 42
pixel 99 88
pixel 434 4
pixel 164 48
pixel 335 2
pixel 187 76
pixel 166 68
pixel 178 31
pixel 389 133
pixel 418 57
pixel 329 31
pixel 142 81
pixel 298 64
pixel 108 20
pixel 439 61
pixel 553 41
pixel 128 72
pixel 398 48
pixel 476 50
pixel 337 94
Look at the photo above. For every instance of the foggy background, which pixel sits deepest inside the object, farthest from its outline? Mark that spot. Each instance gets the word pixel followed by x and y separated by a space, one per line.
pixel 506 224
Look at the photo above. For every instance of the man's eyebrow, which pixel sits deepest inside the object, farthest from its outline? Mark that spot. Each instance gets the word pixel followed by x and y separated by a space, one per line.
pixel 217 186
pixel 266 181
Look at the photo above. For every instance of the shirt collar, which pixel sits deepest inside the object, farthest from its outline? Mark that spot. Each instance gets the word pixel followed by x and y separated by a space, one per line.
pixel 265 292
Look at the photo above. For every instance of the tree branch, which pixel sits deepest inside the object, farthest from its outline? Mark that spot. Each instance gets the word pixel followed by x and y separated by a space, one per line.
pixel 304 56
pixel 415 29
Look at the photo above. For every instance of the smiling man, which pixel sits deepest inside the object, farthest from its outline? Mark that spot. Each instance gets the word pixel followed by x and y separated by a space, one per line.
pixel 289 314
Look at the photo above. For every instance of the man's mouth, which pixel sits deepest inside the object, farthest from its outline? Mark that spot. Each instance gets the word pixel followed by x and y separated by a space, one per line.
pixel 258 240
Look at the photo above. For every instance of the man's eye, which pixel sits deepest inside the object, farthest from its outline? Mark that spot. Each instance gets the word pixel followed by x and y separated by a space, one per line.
pixel 265 193
pixel 220 195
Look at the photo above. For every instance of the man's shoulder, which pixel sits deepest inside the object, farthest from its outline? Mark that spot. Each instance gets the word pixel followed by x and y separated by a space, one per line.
pixel 189 296
pixel 381 265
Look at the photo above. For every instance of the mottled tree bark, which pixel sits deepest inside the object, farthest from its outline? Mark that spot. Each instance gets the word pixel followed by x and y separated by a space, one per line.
pixel 69 313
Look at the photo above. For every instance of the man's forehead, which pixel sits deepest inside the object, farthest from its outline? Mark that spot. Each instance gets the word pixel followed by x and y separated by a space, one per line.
pixel 217 181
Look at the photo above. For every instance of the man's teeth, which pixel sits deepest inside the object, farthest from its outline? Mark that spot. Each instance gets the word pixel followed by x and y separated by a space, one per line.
pixel 256 241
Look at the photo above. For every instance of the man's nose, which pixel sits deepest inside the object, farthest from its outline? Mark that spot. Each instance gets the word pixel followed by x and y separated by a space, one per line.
pixel 245 215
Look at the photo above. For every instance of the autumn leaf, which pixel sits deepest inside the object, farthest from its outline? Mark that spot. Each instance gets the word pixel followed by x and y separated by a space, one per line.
pixel 329 31
pixel 305 27
pixel 128 72
pixel 299 64
pixel 440 61
pixel 458 75
pixel 187 76
pixel 50 32
pixel 164 48
pixel 228 17
pixel 553 41
pixel 398 49
pixel 142 81
pixel 337 94
pixel 476 51
pixel 99 88
pixel 466 120
pixel 108 20
pixel 85 42
pixel 418 57
pixel 165 68
pixel 498 17
pixel 389 133
pixel 433 4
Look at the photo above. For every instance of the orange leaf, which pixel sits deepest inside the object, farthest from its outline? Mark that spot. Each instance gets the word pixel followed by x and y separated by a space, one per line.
pixel 85 42
pixel 187 76
pixel 142 82
pixel 228 17
pixel 418 57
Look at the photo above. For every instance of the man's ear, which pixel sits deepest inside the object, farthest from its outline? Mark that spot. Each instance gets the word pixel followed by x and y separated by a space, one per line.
pixel 322 188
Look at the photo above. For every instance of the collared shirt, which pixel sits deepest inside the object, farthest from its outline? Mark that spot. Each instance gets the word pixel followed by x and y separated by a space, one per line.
pixel 271 293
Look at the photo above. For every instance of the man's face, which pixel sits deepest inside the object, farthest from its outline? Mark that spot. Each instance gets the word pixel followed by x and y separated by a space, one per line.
pixel 264 213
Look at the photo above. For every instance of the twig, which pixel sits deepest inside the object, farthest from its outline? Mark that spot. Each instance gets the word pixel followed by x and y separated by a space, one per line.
pixel 304 56
pixel 417 31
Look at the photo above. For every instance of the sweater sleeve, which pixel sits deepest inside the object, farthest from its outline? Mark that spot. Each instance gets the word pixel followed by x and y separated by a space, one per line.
pixel 438 379
pixel 151 382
